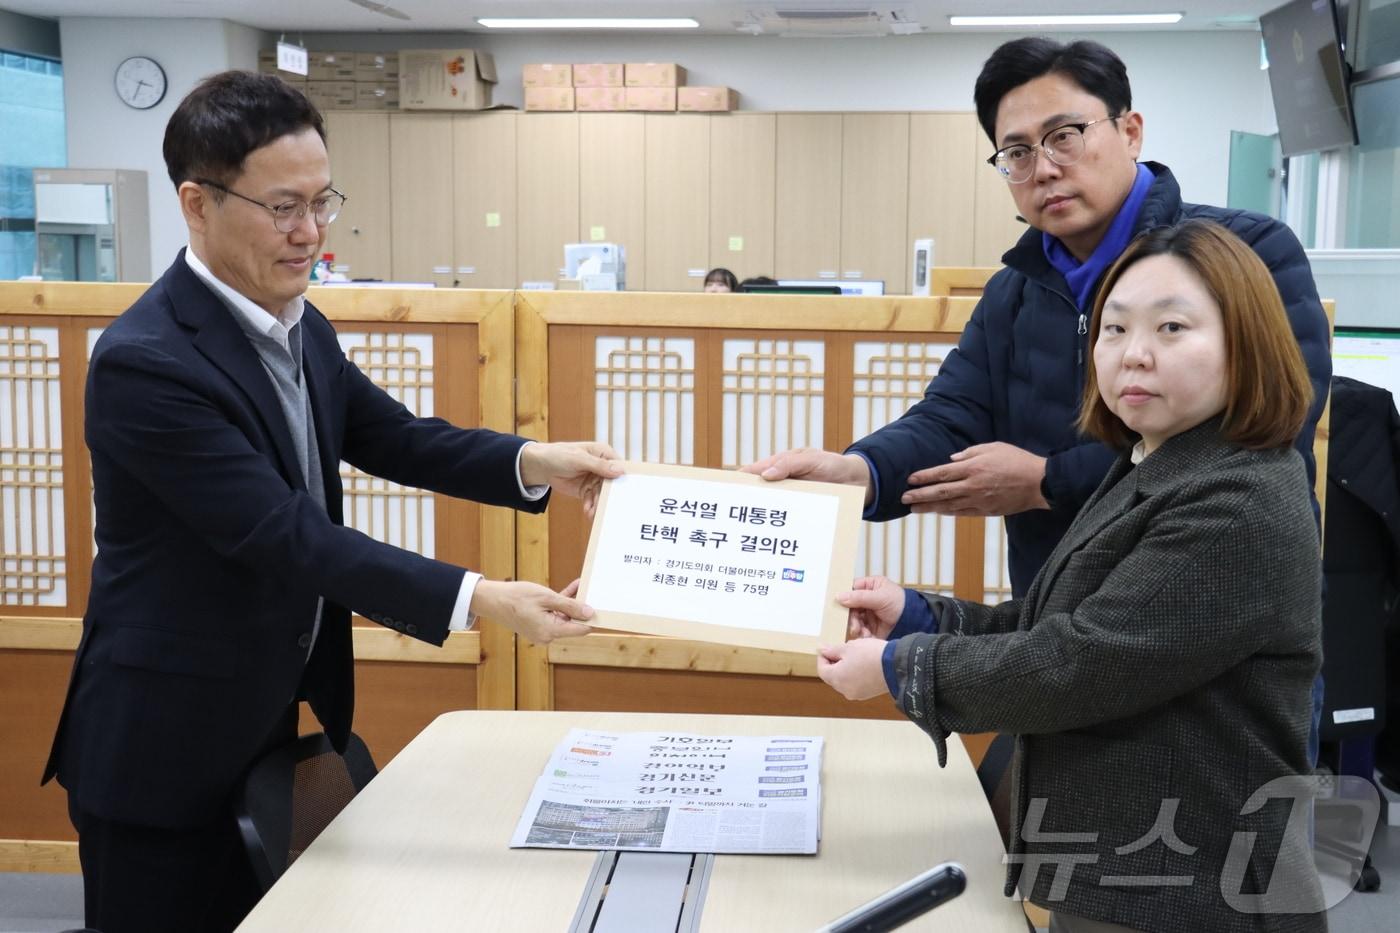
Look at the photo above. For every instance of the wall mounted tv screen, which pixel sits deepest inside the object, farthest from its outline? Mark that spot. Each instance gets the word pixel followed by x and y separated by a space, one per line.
pixel 1308 76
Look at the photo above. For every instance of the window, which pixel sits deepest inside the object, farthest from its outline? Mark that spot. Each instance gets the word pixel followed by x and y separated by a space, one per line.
pixel 1373 211
pixel 31 110
pixel 1377 34
pixel 1300 197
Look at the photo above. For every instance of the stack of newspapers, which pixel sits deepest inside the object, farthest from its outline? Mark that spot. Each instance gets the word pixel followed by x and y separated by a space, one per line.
pixel 677 792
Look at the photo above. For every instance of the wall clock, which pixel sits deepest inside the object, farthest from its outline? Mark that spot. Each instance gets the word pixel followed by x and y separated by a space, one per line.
pixel 140 82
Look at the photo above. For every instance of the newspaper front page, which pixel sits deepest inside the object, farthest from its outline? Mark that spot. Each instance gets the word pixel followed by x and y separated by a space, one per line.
pixel 677 792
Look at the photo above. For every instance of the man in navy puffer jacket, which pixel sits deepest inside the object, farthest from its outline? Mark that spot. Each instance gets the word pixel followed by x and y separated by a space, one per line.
pixel 994 433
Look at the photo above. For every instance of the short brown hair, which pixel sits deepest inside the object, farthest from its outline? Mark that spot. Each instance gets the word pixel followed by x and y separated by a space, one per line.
pixel 1267 392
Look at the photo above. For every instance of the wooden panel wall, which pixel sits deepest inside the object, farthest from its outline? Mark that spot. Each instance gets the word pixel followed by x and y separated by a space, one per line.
pixel 547 146
pixel 421 198
pixel 485 220
pixel 677 201
pixel 807 211
pixel 942 184
pixel 743 169
pixel 875 199
pixel 488 200
pixel 612 196
pixel 358 145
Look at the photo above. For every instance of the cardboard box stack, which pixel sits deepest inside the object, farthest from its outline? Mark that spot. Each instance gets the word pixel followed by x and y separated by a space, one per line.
pixel 343 80
pixel 376 80
pixel 330 66
pixel 638 86
pixel 599 87
pixel 652 85
pixel 330 80
pixel 461 79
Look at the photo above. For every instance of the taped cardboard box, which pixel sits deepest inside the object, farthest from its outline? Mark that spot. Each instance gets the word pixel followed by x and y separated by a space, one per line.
pixel 376 95
pixel 651 98
pixel 598 75
pixel 654 74
pixel 331 95
pixel 549 76
pixel 709 99
pixel 377 67
pixel 600 98
pixel 445 79
pixel 549 98
pixel 330 66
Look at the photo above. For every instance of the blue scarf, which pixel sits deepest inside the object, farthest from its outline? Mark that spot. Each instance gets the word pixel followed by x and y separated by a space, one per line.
pixel 1083 276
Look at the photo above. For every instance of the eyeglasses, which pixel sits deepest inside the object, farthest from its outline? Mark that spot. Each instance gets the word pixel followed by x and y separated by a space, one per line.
pixel 288 215
pixel 1064 145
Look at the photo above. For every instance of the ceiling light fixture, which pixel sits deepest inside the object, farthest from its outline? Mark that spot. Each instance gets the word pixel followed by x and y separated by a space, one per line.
pixel 1087 19
pixel 673 22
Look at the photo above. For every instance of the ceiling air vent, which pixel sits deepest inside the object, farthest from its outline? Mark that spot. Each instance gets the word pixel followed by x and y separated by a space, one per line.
pixel 831 21
pixel 382 8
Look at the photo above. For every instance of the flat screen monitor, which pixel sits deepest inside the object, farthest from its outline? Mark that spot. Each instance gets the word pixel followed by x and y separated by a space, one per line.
pixel 791 289
pixel 1368 354
pixel 1308 75
pixel 847 286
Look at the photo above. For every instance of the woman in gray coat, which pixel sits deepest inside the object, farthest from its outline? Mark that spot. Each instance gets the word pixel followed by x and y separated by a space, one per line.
pixel 1157 674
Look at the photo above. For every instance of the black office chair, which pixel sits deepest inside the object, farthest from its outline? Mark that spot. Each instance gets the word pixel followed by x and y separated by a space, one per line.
pixel 1361 564
pixel 292 793
pixel 994 774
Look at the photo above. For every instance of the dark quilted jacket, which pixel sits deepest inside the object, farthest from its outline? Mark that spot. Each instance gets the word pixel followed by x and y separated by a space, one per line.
pixel 1019 369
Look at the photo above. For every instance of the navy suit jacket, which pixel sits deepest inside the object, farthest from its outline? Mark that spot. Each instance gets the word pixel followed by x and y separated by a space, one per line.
pixel 211 554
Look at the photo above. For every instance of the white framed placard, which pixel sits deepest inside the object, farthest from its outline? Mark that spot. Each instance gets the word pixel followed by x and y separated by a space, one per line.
pixel 722 556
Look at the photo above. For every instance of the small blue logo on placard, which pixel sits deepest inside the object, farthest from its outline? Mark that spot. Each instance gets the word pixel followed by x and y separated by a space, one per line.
pixel 794 575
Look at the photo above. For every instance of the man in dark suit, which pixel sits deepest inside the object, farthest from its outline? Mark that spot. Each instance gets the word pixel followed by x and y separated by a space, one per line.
pixel 218 409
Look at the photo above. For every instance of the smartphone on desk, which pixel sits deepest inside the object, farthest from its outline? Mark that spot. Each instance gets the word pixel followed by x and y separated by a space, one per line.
pixel 898 906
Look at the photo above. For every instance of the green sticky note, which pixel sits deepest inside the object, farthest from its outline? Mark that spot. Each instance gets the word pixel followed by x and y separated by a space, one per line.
pixel 736 244
pixel 597 234
pixel 493 219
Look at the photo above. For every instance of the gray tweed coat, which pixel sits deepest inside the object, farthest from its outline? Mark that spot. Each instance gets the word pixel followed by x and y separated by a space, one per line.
pixel 1156 675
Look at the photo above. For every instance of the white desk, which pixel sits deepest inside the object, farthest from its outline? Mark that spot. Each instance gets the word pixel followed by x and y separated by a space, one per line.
pixel 425 846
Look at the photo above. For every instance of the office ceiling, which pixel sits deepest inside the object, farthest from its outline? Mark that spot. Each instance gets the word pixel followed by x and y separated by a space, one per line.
pixel 813 17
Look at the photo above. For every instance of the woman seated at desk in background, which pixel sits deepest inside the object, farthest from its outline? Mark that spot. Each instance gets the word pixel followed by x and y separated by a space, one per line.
pixel 721 280
pixel 1158 672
